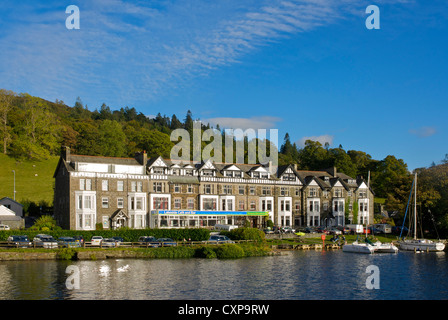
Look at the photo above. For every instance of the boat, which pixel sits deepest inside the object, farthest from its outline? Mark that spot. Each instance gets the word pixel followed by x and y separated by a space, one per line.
pixel 385 247
pixel 418 245
pixel 359 247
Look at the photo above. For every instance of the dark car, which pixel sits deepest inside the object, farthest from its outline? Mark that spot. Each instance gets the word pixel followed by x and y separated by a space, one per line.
pixel 118 239
pixel 167 242
pixel 68 242
pixel 220 239
pixel 21 241
pixel 149 241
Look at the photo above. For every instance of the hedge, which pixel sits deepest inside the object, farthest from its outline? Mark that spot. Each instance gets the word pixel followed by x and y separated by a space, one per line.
pixel 128 235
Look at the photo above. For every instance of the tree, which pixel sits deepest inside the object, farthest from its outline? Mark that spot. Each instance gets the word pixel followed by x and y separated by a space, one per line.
pixel 112 139
pixel 6 99
pixel 39 134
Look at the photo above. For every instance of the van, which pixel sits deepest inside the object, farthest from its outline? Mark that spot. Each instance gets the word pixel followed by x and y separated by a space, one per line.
pixel 355 228
pixel 225 227
pixel 384 227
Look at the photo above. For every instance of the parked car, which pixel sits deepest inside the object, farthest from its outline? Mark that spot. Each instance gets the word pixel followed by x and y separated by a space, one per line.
pixel 149 241
pixel 68 242
pixel 4 227
pixel 109 242
pixel 79 239
pixel 45 240
pixel 334 231
pixel 288 230
pixel 21 240
pixel 164 242
pixel 344 229
pixel 220 239
pixel 373 230
pixel 118 239
pixel 268 231
pixel 96 240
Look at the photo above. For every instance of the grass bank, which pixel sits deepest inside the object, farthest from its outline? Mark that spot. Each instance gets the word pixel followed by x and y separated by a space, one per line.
pixel 222 251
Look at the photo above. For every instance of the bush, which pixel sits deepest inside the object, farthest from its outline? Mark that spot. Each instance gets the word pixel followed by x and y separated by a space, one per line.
pixel 229 251
pixel 66 254
pixel 205 252
pixel 246 234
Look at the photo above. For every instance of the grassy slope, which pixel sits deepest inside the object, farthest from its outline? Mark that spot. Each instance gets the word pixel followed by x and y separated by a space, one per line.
pixel 34 180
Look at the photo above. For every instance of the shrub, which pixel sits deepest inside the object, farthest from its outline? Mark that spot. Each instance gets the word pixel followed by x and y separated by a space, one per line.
pixel 205 252
pixel 229 251
pixel 246 234
pixel 66 254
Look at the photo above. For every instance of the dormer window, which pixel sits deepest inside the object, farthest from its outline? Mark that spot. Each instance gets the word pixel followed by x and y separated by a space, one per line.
pixel 158 170
pixel 228 173
pixel 207 172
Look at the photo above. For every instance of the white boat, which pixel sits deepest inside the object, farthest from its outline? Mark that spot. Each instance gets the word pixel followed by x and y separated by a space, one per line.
pixel 421 245
pixel 415 244
pixel 359 247
pixel 385 247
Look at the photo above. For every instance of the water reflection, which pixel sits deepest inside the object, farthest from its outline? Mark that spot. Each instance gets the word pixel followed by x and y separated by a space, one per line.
pixel 296 275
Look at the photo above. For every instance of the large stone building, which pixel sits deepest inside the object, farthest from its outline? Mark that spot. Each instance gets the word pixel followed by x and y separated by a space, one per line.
pixel 140 193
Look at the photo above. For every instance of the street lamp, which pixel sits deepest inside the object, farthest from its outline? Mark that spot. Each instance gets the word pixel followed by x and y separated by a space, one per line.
pixel 14 184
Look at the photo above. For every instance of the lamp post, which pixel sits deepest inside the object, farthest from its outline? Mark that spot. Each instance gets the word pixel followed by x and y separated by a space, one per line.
pixel 14 184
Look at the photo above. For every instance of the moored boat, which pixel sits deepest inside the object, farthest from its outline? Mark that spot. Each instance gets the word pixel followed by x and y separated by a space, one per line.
pixel 358 247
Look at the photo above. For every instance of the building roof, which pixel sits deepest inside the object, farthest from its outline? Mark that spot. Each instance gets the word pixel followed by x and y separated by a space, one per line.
pixel 10 200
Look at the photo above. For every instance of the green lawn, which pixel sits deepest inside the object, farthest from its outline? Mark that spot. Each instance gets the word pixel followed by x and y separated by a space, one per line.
pixel 34 180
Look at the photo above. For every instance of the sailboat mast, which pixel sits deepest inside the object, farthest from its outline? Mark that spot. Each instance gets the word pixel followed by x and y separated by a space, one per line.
pixel 415 208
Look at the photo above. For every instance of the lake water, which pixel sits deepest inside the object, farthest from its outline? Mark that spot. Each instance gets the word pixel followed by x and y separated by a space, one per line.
pixel 304 275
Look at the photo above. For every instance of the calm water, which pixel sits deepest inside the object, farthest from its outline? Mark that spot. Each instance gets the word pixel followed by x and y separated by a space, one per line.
pixel 312 275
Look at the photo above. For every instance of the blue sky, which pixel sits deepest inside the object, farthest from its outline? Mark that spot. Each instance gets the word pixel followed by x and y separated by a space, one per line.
pixel 309 68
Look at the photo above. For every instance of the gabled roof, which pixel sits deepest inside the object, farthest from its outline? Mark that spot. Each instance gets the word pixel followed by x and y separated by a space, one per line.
pixel 11 200
pixel 6 212
pixel 156 162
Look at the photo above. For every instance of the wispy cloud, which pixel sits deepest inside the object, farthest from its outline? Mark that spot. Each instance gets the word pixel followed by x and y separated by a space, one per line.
pixel 260 122
pixel 139 51
pixel 323 139
pixel 423 132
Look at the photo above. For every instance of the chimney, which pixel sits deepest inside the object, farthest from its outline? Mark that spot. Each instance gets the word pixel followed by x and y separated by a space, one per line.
pixel 332 171
pixel 65 153
pixel 141 157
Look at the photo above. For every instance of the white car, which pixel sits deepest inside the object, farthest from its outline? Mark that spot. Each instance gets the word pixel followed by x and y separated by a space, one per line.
pixel 4 227
pixel 96 240
pixel 45 240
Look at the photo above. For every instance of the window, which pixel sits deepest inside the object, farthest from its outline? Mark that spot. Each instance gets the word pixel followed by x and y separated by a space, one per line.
pixel 190 204
pixel 105 202
pixel 227 189
pixel 337 193
pixel 253 206
pixel 313 192
pixel 325 205
pixel 285 205
pixel 208 188
pixel 85 202
pixel 105 185
pixel 297 192
pixel 209 204
pixel 158 170
pixel 241 189
pixel 266 205
pixel 158 186
pixel 82 184
pixel 241 205
pixel 177 188
pixel 284 191
pixel 160 203
pixel 252 190
pixel 133 186
pixel 120 203
pixel 297 205
pixel 227 204
pixel 188 172
pixel 266 191
pixel 189 188
pixel 137 203
pixel 139 186
pixel 177 203
pixel 120 186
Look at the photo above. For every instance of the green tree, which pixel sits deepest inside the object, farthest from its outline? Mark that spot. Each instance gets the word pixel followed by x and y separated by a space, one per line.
pixel 112 139
pixel 6 105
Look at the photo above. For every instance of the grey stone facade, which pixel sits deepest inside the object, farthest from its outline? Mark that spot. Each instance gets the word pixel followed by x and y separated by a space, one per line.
pixel 119 192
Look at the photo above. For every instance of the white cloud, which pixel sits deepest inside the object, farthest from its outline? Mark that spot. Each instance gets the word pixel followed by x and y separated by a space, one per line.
pixel 261 122
pixel 125 52
pixel 322 139
pixel 423 132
